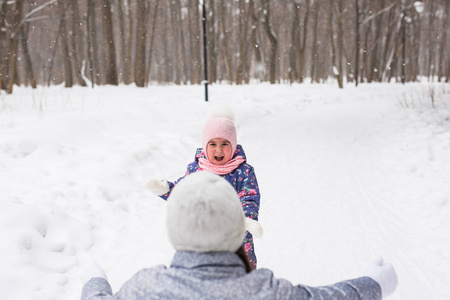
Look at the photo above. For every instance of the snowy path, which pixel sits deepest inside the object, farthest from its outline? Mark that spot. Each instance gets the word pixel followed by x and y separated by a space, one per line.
pixel 343 185
pixel 345 175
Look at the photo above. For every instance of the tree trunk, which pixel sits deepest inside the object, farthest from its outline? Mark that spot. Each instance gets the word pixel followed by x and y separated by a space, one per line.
pixel 3 45
pixel 141 34
pixel 109 53
pixel 340 46
pixel 29 73
pixel 337 70
pixel 96 67
pixel 430 42
pixel 244 21
pixel 259 67
pixel 167 66
pixel 184 59
pixel 225 44
pixel 17 16
pixel 273 42
pixel 152 40
pixel 128 37
pixel 414 49
pixel 367 36
pixel 357 42
pixel 122 12
pixel 75 40
pixel 66 57
pixel 448 72
pixel 391 57
pixel 390 33
pixel 89 39
pixel 295 42
pixel 442 47
pixel 196 58
pixel 175 27
pixel 374 68
pixel 212 42
pixel 315 45
pixel 302 46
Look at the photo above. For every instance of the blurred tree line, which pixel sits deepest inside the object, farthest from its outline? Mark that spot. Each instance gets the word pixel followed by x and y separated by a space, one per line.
pixel 108 42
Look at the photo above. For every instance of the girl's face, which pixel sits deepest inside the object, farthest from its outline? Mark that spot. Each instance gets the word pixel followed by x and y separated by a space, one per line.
pixel 218 151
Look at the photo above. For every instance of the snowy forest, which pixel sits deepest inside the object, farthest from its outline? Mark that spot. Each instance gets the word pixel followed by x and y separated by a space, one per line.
pixel 109 42
pixel 343 107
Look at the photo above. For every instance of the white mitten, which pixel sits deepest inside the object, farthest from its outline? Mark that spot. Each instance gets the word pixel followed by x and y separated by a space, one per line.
pixel 384 274
pixel 158 187
pixel 92 271
pixel 253 227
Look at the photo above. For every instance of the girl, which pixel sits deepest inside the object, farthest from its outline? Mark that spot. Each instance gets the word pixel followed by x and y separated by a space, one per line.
pixel 222 155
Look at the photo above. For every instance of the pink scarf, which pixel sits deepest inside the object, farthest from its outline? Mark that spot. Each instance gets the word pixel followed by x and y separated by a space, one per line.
pixel 206 165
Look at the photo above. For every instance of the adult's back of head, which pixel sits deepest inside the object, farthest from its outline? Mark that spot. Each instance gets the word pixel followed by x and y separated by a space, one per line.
pixel 204 214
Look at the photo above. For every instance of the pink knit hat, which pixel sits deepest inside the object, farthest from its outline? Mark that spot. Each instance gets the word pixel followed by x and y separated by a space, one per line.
pixel 220 124
pixel 219 127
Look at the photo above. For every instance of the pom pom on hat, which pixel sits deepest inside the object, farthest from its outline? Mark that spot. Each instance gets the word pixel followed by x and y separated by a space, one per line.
pixel 220 111
pixel 220 124
pixel 204 214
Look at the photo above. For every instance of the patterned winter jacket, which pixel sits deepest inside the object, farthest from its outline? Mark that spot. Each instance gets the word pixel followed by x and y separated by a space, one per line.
pixel 242 178
pixel 222 275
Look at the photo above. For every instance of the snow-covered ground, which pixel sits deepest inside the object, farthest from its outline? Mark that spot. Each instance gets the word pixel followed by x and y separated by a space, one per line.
pixel 345 176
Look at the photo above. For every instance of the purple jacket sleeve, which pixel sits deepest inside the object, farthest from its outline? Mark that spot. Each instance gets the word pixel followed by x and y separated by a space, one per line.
pixel 192 167
pixel 248 191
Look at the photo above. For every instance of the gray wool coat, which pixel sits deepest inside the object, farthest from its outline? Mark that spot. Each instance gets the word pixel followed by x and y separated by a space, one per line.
pixel 221 276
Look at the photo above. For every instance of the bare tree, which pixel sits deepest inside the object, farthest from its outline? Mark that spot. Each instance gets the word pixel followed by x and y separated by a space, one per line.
pixel 141 34
pixel 75 40
pixel 393 48
pixel 414 49
pixel 29 72
pixel 302 45
pixel 390 40
pixel 295 43
pixel 212 34
pixel 196 41
pixel 67 62
pixel 315 45
pixel 373 58
pixel 166 68
pixel 273 42
pixel 90 40
pixel 16 17
pixel 357 41
pixel 109 49
pixel 431 41
pixel 244 20
pixel 225 42
pixel 122 13
pixel 3 43
pixel 443 44
pixel 151 47
pixel 127 40
pixel 175 27
pixel 336 56
pixel 255 43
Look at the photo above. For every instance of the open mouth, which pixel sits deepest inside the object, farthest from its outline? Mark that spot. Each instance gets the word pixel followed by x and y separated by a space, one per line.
pixel 218 158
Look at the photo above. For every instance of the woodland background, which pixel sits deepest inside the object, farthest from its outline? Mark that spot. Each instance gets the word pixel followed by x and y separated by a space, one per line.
pixel 112 42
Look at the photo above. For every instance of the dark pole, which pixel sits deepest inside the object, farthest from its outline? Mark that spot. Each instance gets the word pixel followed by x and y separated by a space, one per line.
pixel 204 52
